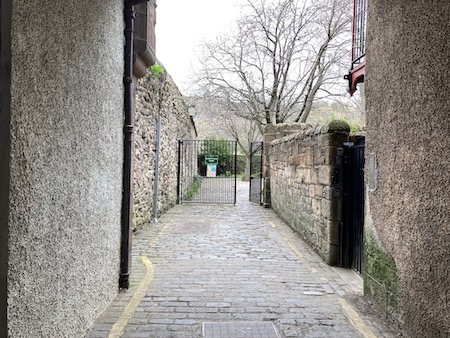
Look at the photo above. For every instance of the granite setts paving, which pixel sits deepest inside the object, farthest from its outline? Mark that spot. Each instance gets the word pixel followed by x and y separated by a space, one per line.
pixel 234 264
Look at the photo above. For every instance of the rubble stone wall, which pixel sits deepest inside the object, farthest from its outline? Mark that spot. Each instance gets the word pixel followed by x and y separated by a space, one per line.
pixel 153 97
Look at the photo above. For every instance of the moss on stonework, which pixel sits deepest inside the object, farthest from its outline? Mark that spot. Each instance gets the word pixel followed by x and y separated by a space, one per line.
pixel 380 277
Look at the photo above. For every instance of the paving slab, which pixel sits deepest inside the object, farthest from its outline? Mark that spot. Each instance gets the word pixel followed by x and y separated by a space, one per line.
pixel 211 268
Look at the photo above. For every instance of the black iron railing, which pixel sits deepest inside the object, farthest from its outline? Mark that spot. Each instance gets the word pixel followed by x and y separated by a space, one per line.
pixel 359 31
pixel 207 171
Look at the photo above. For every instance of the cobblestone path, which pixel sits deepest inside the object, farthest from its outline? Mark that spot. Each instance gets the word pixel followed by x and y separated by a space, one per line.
pixel 232 271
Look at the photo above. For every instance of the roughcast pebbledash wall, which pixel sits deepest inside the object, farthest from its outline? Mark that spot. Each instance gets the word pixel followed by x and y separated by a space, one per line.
pixel 66 111
pixel 407 156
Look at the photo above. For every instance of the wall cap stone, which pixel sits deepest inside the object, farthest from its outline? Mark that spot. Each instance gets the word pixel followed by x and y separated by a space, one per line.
pixel 335 126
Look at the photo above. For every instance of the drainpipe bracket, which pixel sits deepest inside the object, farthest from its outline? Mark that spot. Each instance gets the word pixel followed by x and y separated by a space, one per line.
pixel 128 129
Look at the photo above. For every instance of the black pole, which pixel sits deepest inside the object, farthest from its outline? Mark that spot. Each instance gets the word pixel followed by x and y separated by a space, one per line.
pixel 5 118
pixel 235 169
pixel 180 142
pixel 261 147
pixel 125 251
pixel 158 155
pixel 250 173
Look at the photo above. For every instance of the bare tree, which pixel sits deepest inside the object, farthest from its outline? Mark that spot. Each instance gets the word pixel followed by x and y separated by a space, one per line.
pixel 282 56
pixel 244 131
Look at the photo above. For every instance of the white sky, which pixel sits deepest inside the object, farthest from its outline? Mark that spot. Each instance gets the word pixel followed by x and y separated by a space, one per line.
pixel 182 24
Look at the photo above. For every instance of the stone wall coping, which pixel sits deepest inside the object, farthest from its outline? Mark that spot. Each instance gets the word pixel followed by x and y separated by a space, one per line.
pixel 335 126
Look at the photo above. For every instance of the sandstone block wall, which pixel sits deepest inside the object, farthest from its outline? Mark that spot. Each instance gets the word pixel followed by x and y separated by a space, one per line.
pixel 302 191
pixel 176 124
pixel 271 133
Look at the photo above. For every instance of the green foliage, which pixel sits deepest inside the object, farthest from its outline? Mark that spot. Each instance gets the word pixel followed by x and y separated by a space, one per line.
pixel 156 72
pixel 240 176
pixel 225 152
pixel 353 127
pixel 194 188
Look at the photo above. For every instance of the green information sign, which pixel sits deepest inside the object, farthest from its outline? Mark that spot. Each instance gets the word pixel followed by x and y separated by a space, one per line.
pixel 211 159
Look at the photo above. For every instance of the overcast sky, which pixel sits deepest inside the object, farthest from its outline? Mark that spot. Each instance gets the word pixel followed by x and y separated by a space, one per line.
pixel 182 24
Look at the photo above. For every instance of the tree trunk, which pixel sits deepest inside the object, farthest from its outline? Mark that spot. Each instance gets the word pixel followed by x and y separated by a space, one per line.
pixel 247 168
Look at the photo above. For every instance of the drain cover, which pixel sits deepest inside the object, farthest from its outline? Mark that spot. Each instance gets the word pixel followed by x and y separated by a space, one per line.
pixel 240 330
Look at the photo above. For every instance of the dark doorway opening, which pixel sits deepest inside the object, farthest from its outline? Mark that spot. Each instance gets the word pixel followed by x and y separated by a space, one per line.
pixel 351 232
pixel 256 168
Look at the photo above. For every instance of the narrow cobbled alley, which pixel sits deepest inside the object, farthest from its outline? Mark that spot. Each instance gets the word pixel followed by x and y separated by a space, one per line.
pixel 234 271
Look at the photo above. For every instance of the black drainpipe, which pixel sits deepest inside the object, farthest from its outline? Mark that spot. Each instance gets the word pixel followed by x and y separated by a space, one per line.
pixel 5 154
pixel 127 199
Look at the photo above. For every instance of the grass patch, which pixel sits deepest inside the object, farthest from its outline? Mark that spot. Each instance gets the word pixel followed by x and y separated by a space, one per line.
pixel 194 188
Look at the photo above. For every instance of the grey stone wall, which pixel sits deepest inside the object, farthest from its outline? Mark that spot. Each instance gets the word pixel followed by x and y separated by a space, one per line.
pixel 407 144
pixel 65 164
pixel 176 124
pixel 301 187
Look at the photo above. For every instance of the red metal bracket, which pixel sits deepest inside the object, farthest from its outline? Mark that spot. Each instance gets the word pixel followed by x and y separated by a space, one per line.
pixel 355 76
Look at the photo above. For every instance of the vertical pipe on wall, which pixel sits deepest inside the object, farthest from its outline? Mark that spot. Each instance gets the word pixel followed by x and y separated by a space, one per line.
pixel 125 250
pixel 235 169
pixel 5 117
pixel 180 142
pixel 158 151
pixel 127 198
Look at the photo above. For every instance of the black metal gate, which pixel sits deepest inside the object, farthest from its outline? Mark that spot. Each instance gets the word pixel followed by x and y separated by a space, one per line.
pixel 207 171
pixel 256 168
pixel 352 227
